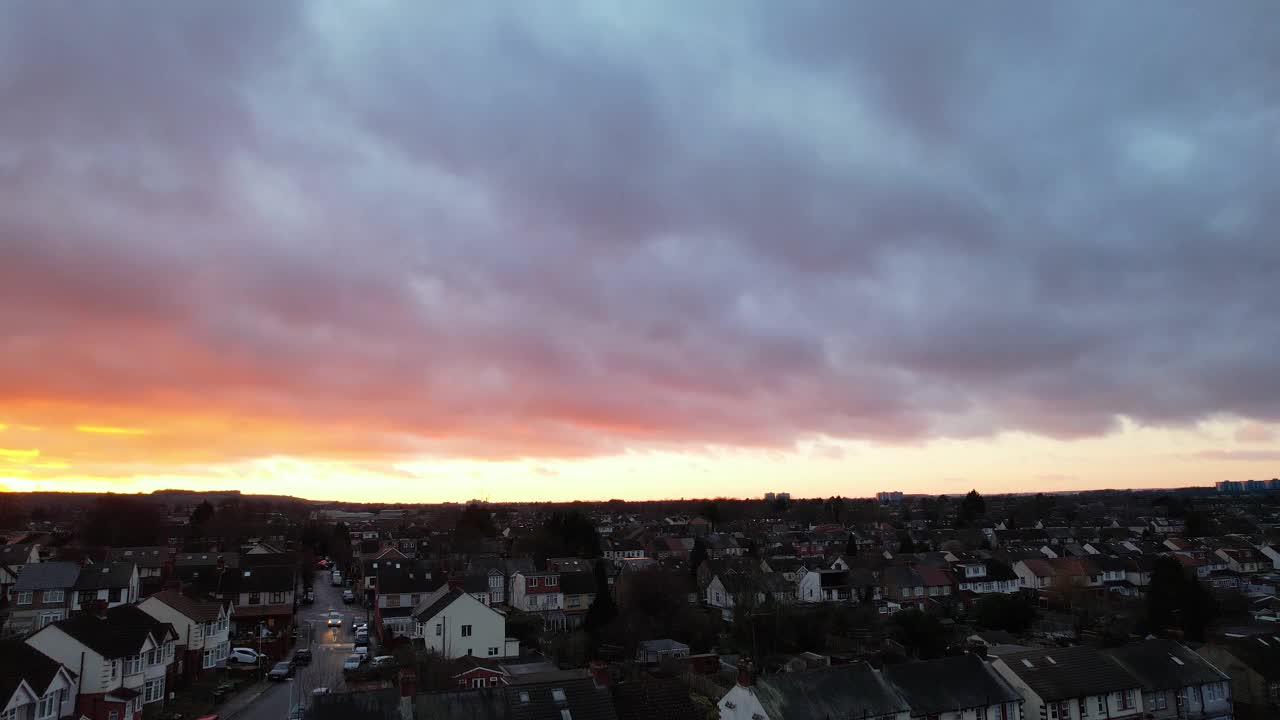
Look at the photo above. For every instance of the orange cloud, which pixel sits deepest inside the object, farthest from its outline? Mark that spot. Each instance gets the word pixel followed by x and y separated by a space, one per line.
pixel 109 430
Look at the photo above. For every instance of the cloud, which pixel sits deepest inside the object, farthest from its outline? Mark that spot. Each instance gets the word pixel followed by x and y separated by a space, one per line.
pixel 1254 433
pixel 462 232
pixel 1240 455
pixel 110 430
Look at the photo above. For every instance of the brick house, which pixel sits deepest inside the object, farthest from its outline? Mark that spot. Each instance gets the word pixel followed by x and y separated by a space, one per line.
pixel 42 595
pixel 203 629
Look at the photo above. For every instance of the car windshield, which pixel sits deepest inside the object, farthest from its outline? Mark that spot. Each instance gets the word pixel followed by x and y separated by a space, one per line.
pixel 335 616
pixel 353 658
pixel 282 666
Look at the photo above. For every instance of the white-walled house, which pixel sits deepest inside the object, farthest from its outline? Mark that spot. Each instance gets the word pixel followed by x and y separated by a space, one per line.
pixel 454 624
pixel 34 686
pixel 106 586
pixel 203 629
pixel 1072 683
pixel 124 660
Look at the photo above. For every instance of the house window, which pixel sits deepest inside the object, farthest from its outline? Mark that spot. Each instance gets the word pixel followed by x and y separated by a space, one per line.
pixel 86 597
pixel 1213 691
pixel 466 631
pixel 128 710
pixel 209 659
pixel 415 599
pixel 113 715
pixel 50 617
pixel 1161 700
pixel 133 665
pixel 47 707
pixel 1126 700
pixel 438 630
pixel 531 582
pixel 477 683
pixel 553 581
pixel 493 652
pixel 1102 704
pixel 493 682
pixel 54 596
pixel 153 690
pixel 115 594
pixel 255 599
pixel 392 601
pixel 277 598
pixel 24 598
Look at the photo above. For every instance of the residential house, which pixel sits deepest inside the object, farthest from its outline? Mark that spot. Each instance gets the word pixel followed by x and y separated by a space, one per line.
pixel 454 624
pixel 622 549
pixel 1176 682
pixel 728 591
pixel 498 572
pixel 155 564
pixel 579 589
pixel 34 686
pixel 1272 553
pixel 722 545
pixel 124 659
pixel 106 586
pixel 1244 560
pixel 955 688
pixel 399 588
pixel 42 595
pixel 470 672
pixel 263 595
pixel 203 628
pixel 539 592
pixel 826 586
pixel 1072 683
pixel 13 558
pixel 1253 664
pixel 655 651
pixel 985 576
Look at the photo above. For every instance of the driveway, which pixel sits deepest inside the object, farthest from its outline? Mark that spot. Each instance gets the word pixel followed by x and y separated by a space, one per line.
pixel 329 648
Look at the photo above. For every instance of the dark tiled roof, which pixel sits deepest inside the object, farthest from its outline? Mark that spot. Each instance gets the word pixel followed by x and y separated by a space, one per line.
pixel 577 583
pixel 1259 653
pixel 1153 662
pixel 105 576
pixel 408 578
pixel 122 632
pixel 197 610
pixel 147 557
pixel 18 662
pixel 47 576
pixel 206 559
pixel 1065 673
pixel 277 559
pixel 269 578
pixel 953 683
pixel 582 698
pixel 14 554
pixel 845 691
pixel 432 606
pixel 667 698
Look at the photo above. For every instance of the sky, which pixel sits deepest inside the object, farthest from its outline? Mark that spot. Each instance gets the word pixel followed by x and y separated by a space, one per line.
pixel 418 252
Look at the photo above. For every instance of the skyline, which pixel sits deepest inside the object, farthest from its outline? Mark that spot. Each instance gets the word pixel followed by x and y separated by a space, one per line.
pixel 606 250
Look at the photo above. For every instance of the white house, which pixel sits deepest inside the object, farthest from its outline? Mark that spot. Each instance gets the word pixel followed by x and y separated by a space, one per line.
pixel 106 586
pixel 124 660
pixel 34 685
pixel 983 577
pixel 202 627
pixel 455 624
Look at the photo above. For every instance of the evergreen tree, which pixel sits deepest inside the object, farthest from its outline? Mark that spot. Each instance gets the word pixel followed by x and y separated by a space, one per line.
pixel 602 610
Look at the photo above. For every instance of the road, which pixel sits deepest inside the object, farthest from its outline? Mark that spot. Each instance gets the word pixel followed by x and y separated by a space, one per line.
pixel 329 648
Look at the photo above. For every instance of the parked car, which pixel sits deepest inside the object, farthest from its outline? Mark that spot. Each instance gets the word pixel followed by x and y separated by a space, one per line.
pixel 360 627
pixel 352 663
pixel 245 656
pixel 362 651
pixel 335 619
pixel 302 657
pixel 383 661
pixel 320 691
pixel 362 637
pixel 348 596
pixel 281 671
pixel 335 578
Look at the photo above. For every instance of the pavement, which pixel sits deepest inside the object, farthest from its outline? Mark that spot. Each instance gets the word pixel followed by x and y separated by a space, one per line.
pixel 329 648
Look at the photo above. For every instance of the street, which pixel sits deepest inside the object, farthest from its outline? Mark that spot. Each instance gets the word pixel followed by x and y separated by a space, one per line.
pixel 329 646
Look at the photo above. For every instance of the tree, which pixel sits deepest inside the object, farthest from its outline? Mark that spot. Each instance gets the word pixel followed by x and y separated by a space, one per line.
pixel 920 633
pixel 567 534
pixel 973 507
pixel 998 611
pixel 697 555
pixel 711 511
pixel 602 610
pixel 1175 599
pixel 122 520
pixel 202 514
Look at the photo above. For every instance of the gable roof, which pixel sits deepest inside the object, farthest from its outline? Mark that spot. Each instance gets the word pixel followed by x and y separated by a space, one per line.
pixel 937 686
pixel 200 611
pixel 15 554
pixel 20 662
pixel 268 578
pixel 666 698
pixel 123 631
pixel 1071 672
pixel 435 603
pixel 106 576
pixel 582 698
pixel 837 692
pixel 47 576
pixel 1166 665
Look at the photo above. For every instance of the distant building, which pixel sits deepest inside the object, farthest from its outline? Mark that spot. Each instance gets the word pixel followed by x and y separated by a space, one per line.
pixel 889 498
pixel 1238 487
pixel 769 497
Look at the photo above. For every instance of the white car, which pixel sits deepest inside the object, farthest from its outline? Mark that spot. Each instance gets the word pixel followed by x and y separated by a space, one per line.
pixel 335 619
pixel 247 656
pixel 362 651
pixel 383 661
pixel 352 662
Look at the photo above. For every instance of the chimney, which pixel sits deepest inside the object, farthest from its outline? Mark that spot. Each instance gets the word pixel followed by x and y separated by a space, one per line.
pixel 746 674
pixel 600 673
